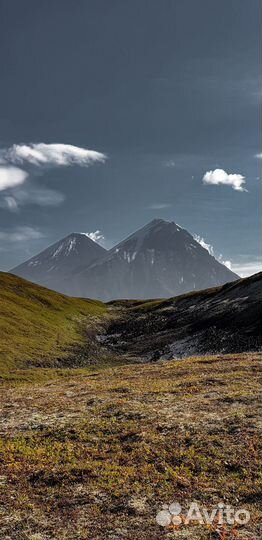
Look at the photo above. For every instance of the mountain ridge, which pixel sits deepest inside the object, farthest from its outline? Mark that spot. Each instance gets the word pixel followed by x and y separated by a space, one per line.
pixel 55 263
pixel 161 259
pixel 222 319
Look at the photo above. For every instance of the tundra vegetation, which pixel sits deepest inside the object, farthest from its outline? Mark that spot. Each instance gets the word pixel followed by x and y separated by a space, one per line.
pixel 93 450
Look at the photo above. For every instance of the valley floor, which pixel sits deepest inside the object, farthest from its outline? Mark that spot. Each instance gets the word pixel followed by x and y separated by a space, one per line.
pixel 95 454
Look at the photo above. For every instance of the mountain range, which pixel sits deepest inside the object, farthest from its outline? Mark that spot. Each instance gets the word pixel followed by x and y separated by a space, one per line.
pixel 158 261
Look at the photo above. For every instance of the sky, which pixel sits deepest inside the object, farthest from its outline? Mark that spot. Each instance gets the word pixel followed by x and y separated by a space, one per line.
pixel 113 113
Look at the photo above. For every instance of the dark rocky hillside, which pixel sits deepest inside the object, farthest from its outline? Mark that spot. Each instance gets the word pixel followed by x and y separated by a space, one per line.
pixel 223 319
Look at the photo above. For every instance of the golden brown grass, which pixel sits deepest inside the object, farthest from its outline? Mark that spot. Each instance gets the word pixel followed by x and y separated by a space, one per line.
pixel 94 455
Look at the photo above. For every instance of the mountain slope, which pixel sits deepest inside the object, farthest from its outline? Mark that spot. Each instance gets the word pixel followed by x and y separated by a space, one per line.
pixel 55 264
pixel 220 320
pixel 38 326
pixel 159 260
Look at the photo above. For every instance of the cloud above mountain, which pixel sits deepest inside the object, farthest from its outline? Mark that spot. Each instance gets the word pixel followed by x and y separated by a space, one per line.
pixel 211 251
pixel 51 155
pixel 204 244
pixel 221 177
pixel 20 234
pixel 15 199
pixel 247 268
pixel 20 161
pixel 96 236
pixel 159 206
pixel 11 177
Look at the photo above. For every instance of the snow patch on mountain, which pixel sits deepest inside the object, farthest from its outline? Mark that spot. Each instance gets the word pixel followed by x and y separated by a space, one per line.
pixel 70 246
pixel 160 260
pixel 57 251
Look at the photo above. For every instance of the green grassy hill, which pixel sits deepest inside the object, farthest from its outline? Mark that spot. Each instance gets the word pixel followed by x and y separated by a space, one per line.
pixel 42 328
pixel 38 325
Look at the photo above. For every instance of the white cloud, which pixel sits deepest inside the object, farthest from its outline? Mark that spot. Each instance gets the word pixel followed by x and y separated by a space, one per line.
pixel 11 177
pixel 159 206
pixel 225 262
pixel 228 264
pixel 204 244
pixel 39 155
pixel 221 177
pixel 96 236
pixel 211 251
pixel 32 195
pixel 246 269
pixel 20 234
pixel 10 203
pixel 51 155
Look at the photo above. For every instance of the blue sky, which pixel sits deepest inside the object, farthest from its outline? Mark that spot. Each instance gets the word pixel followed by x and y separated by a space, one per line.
pixel 166 94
